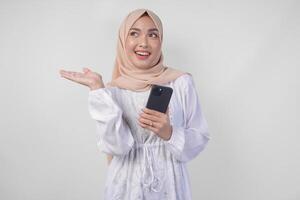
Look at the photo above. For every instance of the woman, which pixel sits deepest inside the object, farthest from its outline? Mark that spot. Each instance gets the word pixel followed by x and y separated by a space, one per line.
pixel 148 150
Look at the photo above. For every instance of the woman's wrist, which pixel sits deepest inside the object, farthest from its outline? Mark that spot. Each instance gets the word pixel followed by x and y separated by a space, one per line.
pixel 96 83
pixel 96 86
pixel 169 135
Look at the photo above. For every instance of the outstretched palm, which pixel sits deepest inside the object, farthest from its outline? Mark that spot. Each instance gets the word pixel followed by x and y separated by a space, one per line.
pixel 88 78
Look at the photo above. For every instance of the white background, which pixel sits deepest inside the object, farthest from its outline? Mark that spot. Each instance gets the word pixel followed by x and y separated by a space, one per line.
pixel 244 56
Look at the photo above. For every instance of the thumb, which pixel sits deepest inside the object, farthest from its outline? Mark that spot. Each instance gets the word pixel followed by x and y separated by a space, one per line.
pixel 85 70
pixel 167 112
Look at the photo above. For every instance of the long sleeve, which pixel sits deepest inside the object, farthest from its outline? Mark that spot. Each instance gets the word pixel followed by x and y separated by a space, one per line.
pixel 188 141
pixel 114 135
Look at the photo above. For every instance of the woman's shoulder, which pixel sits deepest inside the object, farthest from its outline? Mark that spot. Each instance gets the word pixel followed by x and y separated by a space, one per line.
pixel 183 81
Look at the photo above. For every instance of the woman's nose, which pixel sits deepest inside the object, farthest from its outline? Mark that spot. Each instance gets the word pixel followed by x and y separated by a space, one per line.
pixel 143 42
pixel 143 45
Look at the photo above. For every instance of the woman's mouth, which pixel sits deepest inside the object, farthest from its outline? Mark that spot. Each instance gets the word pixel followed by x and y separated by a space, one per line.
pixel 142 55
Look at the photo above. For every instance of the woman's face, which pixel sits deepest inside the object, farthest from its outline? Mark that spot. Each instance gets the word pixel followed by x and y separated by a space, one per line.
pixel 143 46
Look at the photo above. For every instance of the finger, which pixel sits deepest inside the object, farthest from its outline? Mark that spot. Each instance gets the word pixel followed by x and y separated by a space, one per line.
pixel 150 117
pixel 168 112
pixel 86 70
pixel 61 72
pixel 142 124
pixel 151 128
pixel 152 112
pixel 65 71
pixel 145 121
pixel 69 72
pixel 73 76
pixel 67 75
pixel 76 74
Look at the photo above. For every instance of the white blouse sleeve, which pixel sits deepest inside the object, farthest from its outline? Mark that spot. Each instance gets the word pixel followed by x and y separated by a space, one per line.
pixel 188 141
pixel 114 135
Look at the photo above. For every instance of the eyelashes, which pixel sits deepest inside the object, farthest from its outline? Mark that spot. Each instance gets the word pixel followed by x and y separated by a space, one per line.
pixel 136 34
pixel 155 35
pixel 133 33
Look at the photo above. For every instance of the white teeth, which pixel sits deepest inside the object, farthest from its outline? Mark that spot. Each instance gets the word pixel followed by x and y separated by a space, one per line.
pixel 143 53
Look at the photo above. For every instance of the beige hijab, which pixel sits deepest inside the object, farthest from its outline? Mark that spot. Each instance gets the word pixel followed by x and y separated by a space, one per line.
pixel 125 74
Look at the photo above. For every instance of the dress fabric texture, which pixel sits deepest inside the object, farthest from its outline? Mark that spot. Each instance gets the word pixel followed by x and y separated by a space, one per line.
pixel 144 166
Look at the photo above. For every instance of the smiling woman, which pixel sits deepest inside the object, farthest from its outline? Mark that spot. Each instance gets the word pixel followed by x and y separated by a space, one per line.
pixel 149 149
pixel 143 44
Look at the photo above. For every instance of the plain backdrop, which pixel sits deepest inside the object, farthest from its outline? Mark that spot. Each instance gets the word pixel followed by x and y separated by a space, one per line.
pixel 244 57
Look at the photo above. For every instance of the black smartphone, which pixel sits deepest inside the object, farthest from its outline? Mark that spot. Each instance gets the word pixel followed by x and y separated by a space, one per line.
pixel 159 98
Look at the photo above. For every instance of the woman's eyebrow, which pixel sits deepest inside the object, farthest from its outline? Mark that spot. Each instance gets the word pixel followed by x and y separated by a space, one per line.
pixel 136 29
pixel 149 30
pixel 152 29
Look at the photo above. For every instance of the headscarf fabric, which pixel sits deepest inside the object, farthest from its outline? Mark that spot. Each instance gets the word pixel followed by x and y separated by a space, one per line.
pixel 127 76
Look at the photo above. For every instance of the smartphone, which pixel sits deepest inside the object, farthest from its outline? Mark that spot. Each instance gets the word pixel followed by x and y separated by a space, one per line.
pixel 159 98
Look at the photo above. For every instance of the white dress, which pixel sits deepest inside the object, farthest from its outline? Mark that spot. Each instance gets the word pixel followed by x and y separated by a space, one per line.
pixel 144 166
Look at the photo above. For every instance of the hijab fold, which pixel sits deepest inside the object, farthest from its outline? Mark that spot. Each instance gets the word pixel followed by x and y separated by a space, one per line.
pixel 127 76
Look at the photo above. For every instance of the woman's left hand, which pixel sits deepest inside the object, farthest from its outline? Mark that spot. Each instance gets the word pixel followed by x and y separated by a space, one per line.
pixel 160 122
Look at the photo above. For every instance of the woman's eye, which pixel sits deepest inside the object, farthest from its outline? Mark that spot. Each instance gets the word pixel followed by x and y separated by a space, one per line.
pixel 153 35
pixel 133 33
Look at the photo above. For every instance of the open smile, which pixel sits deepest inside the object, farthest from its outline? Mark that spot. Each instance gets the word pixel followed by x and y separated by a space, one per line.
pixel 142 55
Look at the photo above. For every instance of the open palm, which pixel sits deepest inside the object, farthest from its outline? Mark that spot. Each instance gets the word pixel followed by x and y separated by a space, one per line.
pixel 88 78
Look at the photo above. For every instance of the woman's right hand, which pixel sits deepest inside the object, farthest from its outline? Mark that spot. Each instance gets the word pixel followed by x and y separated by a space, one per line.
pixel 88 78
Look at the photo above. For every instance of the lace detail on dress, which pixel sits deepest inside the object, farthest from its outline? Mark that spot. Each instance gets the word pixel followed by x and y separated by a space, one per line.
pixel 148 175
pixel 153 175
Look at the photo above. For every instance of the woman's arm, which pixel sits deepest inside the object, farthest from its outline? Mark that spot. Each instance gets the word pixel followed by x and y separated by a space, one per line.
pixel 188 141
pixel 88 78
pixel 114 134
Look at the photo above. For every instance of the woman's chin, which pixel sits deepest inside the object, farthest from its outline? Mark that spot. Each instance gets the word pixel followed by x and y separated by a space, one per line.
pixel 142 64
